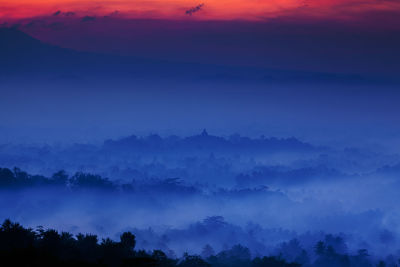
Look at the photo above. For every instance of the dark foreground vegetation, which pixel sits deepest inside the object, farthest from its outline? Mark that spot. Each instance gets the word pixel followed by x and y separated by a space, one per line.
pixel 21 246
pixel 213 242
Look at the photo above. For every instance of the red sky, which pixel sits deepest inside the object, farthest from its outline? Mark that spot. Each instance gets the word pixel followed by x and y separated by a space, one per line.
pixel 354 36
pixel 212 9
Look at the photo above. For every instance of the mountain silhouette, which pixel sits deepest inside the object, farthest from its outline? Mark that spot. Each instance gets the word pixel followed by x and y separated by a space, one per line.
pixel 23 56
pixel 21 52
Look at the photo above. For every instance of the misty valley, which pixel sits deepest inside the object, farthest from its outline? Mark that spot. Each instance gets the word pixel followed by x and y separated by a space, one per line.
pixel 201 200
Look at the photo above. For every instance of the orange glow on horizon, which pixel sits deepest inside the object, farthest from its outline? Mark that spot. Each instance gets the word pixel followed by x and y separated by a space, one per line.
pixel 212 9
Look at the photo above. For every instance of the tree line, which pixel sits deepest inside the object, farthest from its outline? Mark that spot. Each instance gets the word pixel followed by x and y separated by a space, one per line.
pixel 20 246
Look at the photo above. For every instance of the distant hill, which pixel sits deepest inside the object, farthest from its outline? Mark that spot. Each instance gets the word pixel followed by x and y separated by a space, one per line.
pixel 24 56
pixel 207 143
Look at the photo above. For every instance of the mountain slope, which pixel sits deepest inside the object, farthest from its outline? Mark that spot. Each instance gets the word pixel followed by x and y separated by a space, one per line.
pixel 24 56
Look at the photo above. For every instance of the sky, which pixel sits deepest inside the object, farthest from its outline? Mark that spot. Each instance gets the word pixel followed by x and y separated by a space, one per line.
pixel 209 9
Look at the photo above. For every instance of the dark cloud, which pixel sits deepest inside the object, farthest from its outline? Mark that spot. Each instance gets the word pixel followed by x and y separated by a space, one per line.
pixel 66 14
pixel 194 9
pixel 88 18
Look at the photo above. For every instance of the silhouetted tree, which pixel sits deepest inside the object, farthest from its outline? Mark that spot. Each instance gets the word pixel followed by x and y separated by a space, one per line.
pixel 319 248
pixel 60 178
pixel 193 261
